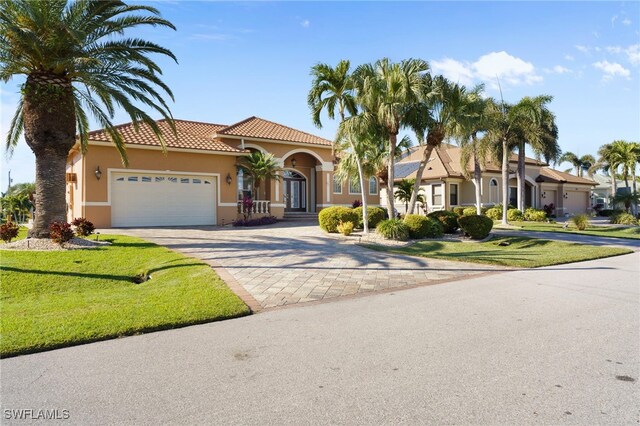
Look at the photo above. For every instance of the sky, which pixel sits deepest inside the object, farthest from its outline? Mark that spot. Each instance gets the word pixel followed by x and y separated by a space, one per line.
pixel 238 60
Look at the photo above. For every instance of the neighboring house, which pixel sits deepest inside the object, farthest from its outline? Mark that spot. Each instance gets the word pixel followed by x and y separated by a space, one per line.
pixel 198 182
pixel 445 185
pixel 603 192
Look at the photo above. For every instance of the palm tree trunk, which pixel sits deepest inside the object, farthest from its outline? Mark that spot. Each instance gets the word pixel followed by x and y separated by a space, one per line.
pixel 505 181
pixel 521 176
pixel 393 139
pixel 477 181
pixel 614 187
pixel 365 216
pixel 426 155
pixel 635 191
pixel 49 130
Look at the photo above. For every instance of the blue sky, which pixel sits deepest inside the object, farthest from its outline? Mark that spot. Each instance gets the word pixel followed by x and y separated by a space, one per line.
pixel 242 59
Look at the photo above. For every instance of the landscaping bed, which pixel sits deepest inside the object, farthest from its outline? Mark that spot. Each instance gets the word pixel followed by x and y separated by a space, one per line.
pixel 629 232
pixel 53 299
pixel 506 251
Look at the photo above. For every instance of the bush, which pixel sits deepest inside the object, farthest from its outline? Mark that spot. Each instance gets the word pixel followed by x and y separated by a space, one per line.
pixel 549 208
pixel 374 216
pixel 423 227
pixel 84 228
pixel 476 226
pixel 458 210
pixel 609 212
pixel 469 211
pixel 60 232
pixel 393 229
pixel 8 231
pixel 345 228
pixel 265 220
pixel 330 217
pixel 623 219
pixel 535 215
pixel 581 221
pixel 448 219
pixel 494 213
pixel 514 215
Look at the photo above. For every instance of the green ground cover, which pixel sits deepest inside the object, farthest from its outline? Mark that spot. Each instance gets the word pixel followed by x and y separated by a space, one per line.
pixel 597 231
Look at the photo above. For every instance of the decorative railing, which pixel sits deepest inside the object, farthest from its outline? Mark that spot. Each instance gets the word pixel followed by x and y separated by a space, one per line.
pixel 259 207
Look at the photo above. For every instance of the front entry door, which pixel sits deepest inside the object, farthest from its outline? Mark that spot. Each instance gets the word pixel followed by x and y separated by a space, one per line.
pixel 294 192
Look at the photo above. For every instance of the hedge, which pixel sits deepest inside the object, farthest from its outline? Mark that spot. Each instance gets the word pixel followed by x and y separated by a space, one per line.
pixel 423 227
pixel 448 219
pixel 329 218
pixel 374 215
pixel 476 226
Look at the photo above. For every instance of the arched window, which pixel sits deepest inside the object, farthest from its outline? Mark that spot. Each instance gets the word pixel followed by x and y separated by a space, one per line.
pixel 493 191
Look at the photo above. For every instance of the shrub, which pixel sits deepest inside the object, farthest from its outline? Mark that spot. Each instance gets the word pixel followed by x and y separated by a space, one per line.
pixel 514 214
pixel 265 220
pixel 549 208
pixel 423 227
pixel 8 231
pixel 393 229
pixel 448 219
pixel 494 213
pixel 356 203
pixel 374 216
pixel 623 219
pixel 609 212
pixel 459 211
pixel 60 232
pixel 345 228
pixel 84 228
pixel 581 221
pixel 476 226
pixel 469 211
pixel 330 217
pixel 535 215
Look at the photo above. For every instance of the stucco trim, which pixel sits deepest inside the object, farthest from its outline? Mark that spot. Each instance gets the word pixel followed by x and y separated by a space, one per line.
pixel 170 149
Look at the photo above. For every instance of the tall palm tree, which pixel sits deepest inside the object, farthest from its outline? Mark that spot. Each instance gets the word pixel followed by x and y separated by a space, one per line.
pixel 331 89
pixel 580 164
pixel 389 95
pixel 76 62
pixel 537 129
pixel 607 163
pixel 404 192
pixel 260 166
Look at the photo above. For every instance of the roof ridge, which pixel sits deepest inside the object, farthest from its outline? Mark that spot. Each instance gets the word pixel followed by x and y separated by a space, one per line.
pixel 253 117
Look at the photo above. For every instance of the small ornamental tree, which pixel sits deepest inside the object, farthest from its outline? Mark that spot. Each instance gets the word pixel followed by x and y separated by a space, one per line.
pixel 84 228
pixel 8 231
pixel 60 232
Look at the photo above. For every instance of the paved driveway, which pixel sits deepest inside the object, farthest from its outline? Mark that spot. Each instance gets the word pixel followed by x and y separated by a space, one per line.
pixel 295 262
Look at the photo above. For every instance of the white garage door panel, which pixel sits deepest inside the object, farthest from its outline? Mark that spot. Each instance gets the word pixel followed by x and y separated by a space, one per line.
pixel 142 199
pixel 576 202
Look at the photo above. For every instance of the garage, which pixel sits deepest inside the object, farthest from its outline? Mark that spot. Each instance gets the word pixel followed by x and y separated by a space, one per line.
pixel 146 199
pixel 576 202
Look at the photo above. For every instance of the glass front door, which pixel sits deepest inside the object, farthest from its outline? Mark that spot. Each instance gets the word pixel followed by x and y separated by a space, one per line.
pixel 294 190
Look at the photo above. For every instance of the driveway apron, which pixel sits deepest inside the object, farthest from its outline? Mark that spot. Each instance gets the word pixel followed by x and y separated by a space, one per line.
pixel 295 262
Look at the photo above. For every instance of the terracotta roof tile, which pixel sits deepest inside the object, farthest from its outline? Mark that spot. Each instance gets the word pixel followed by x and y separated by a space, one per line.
pixel 190 135
pixel 550 175
pixel 255 127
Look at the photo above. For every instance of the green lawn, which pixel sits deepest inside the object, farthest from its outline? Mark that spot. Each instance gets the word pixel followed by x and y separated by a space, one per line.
pixel 62 298
pixel 521 251
pixel 598 231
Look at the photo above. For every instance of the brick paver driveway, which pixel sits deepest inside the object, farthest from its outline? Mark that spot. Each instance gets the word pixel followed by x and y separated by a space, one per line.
pixel 294 262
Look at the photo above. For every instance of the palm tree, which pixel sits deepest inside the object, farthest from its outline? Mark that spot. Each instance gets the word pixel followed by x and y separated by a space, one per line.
pixel 580 164
pixel 260 166
pixel 404 192
pixel 76 62
pixel 607 163
pixel 389 95
pixel 537 129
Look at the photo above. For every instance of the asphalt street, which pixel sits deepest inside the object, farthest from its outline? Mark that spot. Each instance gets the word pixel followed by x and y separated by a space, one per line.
pixel 557 345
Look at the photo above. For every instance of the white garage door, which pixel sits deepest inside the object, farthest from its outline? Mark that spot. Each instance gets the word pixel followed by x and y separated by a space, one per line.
pixel 145 199
pixel 576 202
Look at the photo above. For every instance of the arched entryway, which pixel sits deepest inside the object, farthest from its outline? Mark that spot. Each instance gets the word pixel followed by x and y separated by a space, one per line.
pixel 294 191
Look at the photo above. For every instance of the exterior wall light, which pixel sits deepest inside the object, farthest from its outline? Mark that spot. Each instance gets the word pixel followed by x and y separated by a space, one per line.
pixel 566 195
pixel 293 162
pixel 544 195
pixel 98 173
pixel 229 179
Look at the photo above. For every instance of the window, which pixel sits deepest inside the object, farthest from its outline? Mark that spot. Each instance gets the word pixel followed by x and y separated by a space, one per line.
pixel 493 191
pixel 132 178
pixel 184 180
pixel 245 184
pixel 146 179
pixel 373 185
pixel 159 179
pixel 354 186
pixel 337 185
pixel 436 196
pixel 120 179
pixel 172 180
pixel 196 181
pixel 453 194
pixel 513 196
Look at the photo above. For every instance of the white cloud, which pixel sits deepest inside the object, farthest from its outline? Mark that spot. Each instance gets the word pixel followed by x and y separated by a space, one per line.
pixel 613 20
pixel 626 21
pixel 506 68
pixel 633 54
pixel 611 70
pixel 305 23
pixel 569 57
pixel 583 49
pixel 454 70
pixel 558 69
pixel 613 49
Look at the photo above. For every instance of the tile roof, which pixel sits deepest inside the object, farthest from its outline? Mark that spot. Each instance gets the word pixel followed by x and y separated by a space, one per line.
pixel 190 135
pixel 550 175
pixel 255 127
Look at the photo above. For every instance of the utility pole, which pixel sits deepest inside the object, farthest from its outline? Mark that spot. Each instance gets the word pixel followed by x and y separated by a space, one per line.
pixel 9 184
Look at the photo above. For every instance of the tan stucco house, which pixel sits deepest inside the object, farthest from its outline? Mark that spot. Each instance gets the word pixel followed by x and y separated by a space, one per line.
pixel 445 186
pixel 197 182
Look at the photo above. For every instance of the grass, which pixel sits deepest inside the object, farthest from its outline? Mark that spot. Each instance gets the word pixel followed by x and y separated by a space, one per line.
pixel 62 298
pixel 520 252
pixel 597 231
